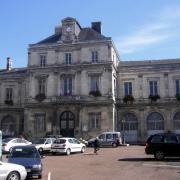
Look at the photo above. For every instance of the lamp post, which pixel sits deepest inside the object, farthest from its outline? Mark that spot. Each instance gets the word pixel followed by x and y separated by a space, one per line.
pixel 123 121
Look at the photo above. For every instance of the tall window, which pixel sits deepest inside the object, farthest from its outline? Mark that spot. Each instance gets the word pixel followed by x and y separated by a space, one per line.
pixel 9 94
pixel 68 58
pixel 94 83
pixel 155 121
pixel 42 86
pixel 68 86
pixel 153 88
pixel 42 60
pixel 178 86
pixel 94 56
pixel 94 120
pixel 127 88
pixel 39 123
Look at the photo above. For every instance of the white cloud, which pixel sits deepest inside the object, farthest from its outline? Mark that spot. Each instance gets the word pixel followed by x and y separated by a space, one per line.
pixel 151 34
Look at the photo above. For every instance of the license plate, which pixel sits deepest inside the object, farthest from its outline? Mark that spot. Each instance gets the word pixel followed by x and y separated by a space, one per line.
pixel 28 170
pixel 34 176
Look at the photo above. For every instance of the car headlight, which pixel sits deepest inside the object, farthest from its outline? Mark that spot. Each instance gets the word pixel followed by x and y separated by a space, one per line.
pixel 37 166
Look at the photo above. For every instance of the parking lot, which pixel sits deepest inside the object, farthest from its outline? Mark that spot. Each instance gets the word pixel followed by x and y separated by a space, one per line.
pixel 123 163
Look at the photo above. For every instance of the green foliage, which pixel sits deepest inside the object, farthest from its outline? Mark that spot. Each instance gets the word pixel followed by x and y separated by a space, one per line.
pixel 40 97
pixel 154 97
pixel 95 93
pixel 128 98
pixel 177 97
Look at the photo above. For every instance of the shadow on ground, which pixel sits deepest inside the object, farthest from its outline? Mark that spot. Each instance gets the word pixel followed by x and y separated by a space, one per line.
pixel 149 159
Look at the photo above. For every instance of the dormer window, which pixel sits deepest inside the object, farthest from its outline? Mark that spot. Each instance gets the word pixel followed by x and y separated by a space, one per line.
pixel 42 60
pixel 94 55
pixel 68 58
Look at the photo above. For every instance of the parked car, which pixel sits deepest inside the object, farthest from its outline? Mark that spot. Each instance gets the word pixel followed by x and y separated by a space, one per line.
pixel 9 171
pixel 163 145
pixel 67 146
pixel 43 144
pixel 113 139
pixel 8 143
pixel 29 157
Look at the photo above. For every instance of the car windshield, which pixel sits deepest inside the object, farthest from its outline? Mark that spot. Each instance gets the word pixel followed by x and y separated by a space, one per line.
pixel 24 153
pixel 6 140
pixel 38 141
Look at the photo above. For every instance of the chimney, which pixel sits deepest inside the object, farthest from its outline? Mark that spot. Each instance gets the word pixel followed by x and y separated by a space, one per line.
pixel 58 30
pixel 96 26
pixel 9 64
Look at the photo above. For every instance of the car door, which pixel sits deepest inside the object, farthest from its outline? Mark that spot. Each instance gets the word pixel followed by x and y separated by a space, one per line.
pixel 3 171
pixel 47 144
pixel 102 139
pixel 171 145
pixel 77 145
pixel 109 139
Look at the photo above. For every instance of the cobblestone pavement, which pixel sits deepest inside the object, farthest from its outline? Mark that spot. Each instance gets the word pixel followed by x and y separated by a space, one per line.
pixel 122 163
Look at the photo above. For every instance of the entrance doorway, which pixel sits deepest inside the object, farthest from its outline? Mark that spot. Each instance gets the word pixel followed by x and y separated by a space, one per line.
pixel 67 124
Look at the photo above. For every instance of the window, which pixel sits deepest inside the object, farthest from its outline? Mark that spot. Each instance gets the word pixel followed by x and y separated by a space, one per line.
pixel 94 56
pixel 42 60
pixel 156 139
pixel 127 88
pixel 94 120
pixel 178 86
pixel 9 94
pixel 68 58
pixel 176 121
pixel 39 123
pixel 68 86
pixel 155 121
pixel 94 83
pixel 170 139
pixel 42 86
pixel 153 88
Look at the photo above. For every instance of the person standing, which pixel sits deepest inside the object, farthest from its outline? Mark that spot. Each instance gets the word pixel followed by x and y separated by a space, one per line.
pixel 96 145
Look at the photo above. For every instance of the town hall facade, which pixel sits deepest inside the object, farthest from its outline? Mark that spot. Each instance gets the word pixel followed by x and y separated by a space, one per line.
pixel 76 85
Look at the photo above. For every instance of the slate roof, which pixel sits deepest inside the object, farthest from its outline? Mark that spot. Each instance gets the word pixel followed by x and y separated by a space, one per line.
pixel 86 34
pixel 16 72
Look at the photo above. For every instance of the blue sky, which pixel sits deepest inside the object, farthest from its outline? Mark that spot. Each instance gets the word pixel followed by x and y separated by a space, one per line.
pixel 141 29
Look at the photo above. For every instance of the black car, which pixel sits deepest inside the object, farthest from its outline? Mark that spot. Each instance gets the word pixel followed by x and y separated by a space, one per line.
pixel 163 145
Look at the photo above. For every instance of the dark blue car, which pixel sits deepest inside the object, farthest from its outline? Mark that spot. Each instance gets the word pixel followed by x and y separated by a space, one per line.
pixel 29 157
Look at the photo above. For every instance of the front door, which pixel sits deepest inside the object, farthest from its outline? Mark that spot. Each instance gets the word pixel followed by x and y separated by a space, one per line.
pixel 67 120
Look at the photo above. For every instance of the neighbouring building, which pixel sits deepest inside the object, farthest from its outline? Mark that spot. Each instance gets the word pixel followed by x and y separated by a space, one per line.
pixel 76 85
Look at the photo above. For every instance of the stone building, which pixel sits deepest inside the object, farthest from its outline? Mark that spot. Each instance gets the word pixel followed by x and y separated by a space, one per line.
pixel 76 85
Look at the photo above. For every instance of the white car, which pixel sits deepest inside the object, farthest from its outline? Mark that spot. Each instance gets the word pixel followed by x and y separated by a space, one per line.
pixel 43 144
pixel 8 143
pixel 67 146
pixel 9 171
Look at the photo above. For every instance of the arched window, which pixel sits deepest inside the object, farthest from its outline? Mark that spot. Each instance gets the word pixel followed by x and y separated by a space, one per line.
pixel 8 126
pixel 130 122
pixel 176 121
pixel 155 121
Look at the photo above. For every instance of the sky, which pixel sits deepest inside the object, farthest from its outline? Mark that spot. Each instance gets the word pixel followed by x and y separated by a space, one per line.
pixel 140 29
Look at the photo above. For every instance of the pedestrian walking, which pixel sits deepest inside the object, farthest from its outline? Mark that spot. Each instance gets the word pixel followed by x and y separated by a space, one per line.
pixel 96 145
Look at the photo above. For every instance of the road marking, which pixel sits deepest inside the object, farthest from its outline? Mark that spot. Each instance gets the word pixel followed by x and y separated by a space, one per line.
pixel 161 165
pixel 49 176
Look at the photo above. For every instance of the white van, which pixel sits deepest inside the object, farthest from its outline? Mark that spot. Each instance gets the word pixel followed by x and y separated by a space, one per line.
pixel 113 139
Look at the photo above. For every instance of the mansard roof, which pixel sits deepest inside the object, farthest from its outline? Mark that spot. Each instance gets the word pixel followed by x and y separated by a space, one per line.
pixel 152 64
pixel 86 34
pixel 15 72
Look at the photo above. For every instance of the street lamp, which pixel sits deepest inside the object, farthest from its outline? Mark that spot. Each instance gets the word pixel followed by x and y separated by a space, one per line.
pixel 123 122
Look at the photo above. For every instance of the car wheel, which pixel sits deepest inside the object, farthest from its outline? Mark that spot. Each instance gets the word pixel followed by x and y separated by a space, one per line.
pixel 83 149
pixel 114 145
pixel 159 155
pixel 40 176
pixel 13 176
pixel 40 150
pixel 68 152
